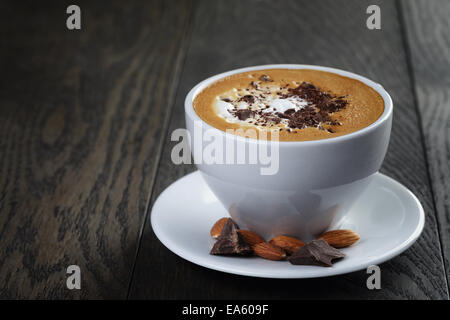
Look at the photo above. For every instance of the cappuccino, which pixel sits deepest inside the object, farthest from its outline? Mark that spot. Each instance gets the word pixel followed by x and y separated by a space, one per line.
pixel 299 104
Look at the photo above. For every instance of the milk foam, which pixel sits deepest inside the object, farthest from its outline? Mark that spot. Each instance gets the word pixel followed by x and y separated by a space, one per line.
pixel 268 100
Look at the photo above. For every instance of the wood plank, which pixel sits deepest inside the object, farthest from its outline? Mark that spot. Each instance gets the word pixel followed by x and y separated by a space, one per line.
pixel 82 118
pixel 427 28
pixel 235 34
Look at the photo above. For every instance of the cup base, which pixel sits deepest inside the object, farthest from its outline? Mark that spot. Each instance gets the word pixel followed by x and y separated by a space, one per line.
pixel 304 214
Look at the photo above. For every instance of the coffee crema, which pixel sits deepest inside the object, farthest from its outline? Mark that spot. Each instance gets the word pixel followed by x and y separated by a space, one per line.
pixel 300 104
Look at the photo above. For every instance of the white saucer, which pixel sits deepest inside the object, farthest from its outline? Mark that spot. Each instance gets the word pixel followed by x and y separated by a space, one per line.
pixel 388 217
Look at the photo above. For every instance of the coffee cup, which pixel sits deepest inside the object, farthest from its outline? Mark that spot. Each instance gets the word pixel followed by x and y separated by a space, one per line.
pixel 313 184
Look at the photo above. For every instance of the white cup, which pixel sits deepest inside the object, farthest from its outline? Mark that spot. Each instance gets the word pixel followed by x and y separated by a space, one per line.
pixel 317 181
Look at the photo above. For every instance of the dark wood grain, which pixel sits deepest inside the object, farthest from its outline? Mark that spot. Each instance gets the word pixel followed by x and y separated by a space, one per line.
pixel 429 48
pixel 231 34
pixel 82 118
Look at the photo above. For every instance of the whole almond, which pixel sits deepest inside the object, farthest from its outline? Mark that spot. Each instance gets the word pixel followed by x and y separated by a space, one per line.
pixel 340 238
pixel 269 251
pixel 216 229
pixel 288 244
pixel 251 237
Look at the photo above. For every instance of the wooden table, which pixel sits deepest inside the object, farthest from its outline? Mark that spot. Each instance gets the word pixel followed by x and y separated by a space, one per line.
pixel 86 117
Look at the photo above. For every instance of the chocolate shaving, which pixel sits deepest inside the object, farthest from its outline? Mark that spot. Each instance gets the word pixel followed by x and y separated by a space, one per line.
pixel 248 98
pixel 316 253
pixel 244 114
pixel 230 241
pixel 283 115
pixel 289 111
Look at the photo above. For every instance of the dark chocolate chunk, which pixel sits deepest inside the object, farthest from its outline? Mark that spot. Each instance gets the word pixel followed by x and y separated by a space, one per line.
pixel 289 111
pixel 248 98
pixel 244 114
pixel 230 241
pixel 282 115
pixel 271 118
pixel 316 253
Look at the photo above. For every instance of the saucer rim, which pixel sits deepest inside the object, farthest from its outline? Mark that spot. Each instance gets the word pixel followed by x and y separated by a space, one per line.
pixel 324 272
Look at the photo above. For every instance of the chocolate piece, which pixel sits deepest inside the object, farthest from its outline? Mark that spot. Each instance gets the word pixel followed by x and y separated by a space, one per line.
pixel 231 242
pixel 248 98
pixel 316 253
pixel 283 115
pixel 244 114
pixel 289 111
pixel 226 99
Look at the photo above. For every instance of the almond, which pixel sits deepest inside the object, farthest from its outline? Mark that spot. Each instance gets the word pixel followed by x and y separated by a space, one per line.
pixel 216 229
pixel 250 237
pixel 269 251
pixel 340 238
pixel 288 244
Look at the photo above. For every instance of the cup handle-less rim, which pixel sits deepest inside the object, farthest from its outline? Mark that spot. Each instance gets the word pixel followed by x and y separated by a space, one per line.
pixel 385 116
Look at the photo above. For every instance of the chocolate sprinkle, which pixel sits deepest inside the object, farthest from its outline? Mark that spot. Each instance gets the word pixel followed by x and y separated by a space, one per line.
pixel 316 253
pixel 248 98
pixel 230 241
pixel 244 114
